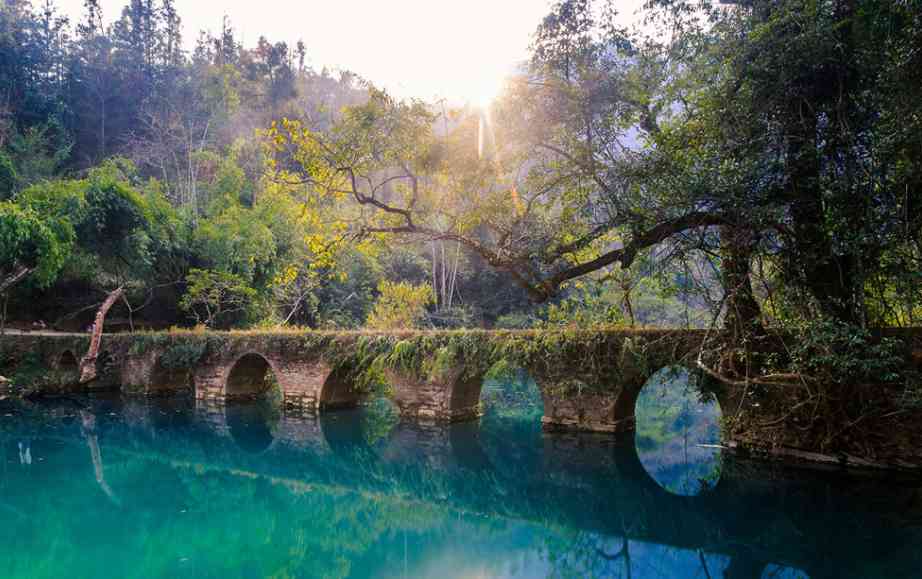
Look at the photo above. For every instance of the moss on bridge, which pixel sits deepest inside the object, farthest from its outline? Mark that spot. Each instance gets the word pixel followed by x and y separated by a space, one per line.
pixel 574 358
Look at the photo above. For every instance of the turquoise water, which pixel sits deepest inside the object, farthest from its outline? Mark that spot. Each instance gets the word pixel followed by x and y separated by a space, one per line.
pixel 124 488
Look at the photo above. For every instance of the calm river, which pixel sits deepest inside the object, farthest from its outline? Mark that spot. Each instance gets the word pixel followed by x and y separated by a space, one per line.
pixel 111 487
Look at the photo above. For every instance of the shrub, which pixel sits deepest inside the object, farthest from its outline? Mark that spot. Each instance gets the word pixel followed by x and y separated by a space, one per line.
pixel 214 298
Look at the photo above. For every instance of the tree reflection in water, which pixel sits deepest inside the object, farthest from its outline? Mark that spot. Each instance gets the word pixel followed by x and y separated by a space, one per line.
pixel 195 502
pixel 678 433
pixel 88 427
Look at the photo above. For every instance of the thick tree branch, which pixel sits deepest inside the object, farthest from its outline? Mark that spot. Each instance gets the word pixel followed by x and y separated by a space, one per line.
pixel 626 255
pixel 542 288
pixel 20 272
pixel 363 199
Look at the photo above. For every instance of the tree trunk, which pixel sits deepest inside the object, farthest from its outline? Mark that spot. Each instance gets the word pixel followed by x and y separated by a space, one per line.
pixel 88 363
pixel 827 272
pixel 6 301
pixel 743 314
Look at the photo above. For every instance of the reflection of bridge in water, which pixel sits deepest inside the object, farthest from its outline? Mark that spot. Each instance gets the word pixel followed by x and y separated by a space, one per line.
pixel 755 515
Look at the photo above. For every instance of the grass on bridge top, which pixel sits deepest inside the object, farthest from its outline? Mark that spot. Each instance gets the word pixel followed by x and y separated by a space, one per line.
pixel 297 330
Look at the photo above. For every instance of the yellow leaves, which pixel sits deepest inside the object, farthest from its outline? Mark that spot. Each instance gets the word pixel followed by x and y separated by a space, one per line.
pixel 323 249
pixel 401 305
pixel 286 277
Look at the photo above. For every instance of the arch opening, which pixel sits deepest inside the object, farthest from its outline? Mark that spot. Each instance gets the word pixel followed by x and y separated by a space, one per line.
pixel 363 418
pixel 511 395
pixel 251 378
pixel 68 362
pixel 340 392
pixel 511 433
pixel 678 432
pixel 68 368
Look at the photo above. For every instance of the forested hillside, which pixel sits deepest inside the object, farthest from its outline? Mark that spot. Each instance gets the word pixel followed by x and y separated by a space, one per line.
pixel 751 166
pixel 128 161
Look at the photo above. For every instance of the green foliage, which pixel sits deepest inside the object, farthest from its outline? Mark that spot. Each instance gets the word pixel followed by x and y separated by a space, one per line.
pixel 586 308
pixel 8 177
pixel 110 218
pixel 346 302
pixel 230 184
pixel 116 223
pixel 831 352
pixel 236 241
pixel 516 321
pixel 183 355
pixel 602 189
pixel 38 153
pixel 215 298
pixel 32 240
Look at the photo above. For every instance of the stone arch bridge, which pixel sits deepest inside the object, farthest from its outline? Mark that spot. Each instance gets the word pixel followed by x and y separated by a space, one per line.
pixel 589 380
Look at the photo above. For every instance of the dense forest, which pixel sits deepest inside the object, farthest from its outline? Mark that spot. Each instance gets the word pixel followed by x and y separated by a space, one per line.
pixel 751 165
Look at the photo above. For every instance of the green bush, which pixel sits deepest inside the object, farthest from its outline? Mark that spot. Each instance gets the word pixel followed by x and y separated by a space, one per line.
pixel 833 352
pixel 183 356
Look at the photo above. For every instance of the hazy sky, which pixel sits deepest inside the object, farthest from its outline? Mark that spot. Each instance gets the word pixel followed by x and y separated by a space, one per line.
pixel 460 49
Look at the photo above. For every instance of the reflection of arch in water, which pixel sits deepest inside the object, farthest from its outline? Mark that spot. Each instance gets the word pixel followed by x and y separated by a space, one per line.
pixel 251 377
pixel 363 430
pixel 465 440
pixel 252 425
pixel 678 431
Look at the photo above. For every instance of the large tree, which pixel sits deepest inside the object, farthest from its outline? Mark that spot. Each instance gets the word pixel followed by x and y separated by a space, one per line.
pixel 764 131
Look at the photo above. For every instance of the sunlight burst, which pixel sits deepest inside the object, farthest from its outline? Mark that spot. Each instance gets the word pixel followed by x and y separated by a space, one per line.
pixel 482 92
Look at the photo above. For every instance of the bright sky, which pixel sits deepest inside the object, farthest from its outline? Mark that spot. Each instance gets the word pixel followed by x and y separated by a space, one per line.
pixel 458 49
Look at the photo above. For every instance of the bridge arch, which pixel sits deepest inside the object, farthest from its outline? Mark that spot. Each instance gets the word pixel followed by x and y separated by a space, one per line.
pixel 625 403
pixel 165 380
pixel 251 376
pixel 677 431
pixel 67 366
pixel 509 432
pixel 67 361
pixel 339 391
pixel 451 396
pixel 255 370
